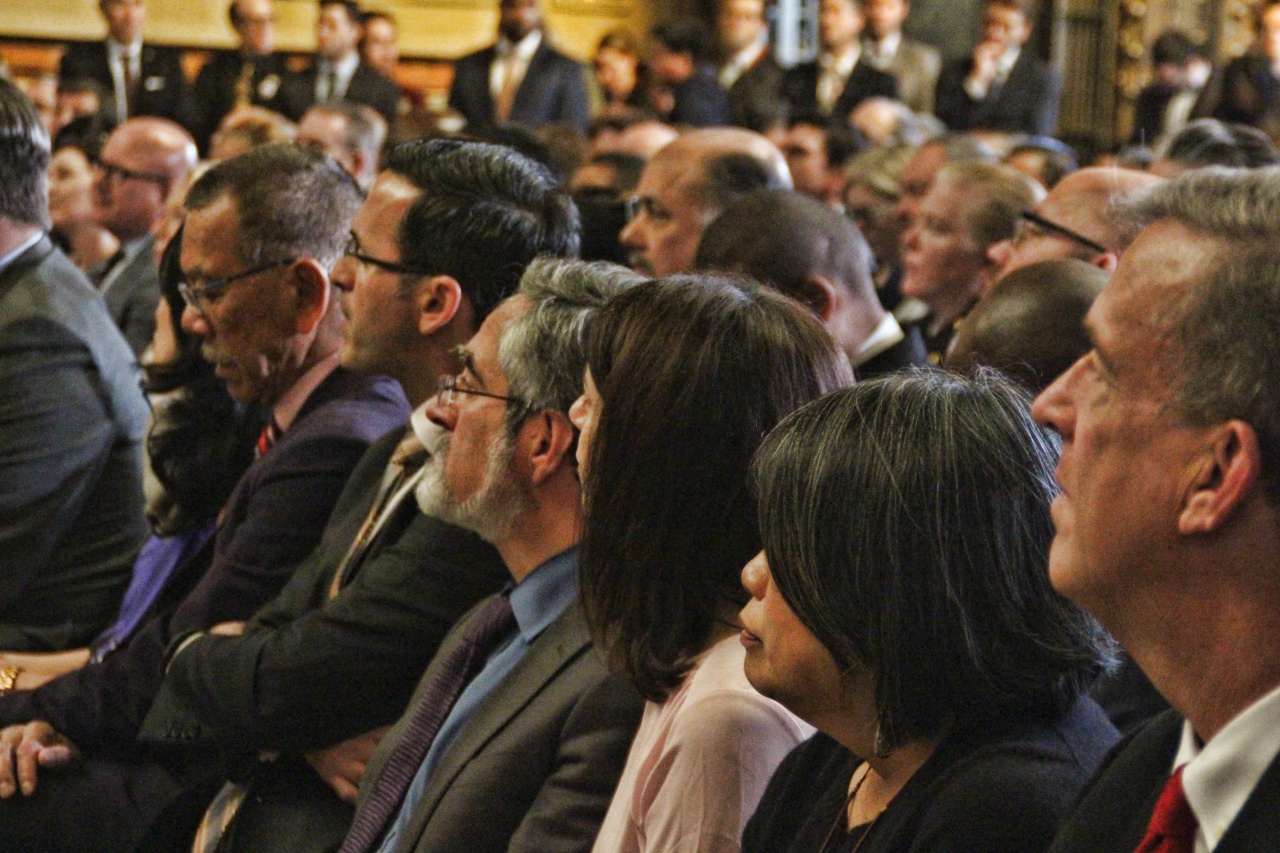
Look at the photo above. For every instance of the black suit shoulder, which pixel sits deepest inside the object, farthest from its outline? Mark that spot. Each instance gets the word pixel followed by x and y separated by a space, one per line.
pixel 755 97
pixel 906 353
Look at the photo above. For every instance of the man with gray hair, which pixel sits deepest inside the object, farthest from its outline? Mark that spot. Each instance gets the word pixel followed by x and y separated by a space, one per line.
pixel 1168 524
pixel 72 418
pixel 352 134
pixel 523 749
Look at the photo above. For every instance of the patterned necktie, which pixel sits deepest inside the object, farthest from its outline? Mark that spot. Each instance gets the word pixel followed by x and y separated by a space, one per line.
pixel 1173 824
pixel 490 625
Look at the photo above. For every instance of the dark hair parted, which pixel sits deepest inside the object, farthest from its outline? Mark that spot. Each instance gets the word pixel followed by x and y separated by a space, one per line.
pixel 291 203
pixel 692 371
pixel 484 214
pixel 1210 142
pixel 24 159
pixel 906 522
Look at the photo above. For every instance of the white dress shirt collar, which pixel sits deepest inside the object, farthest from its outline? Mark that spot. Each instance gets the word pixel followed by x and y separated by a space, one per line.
pixel 743 60
pixel 13 255
pixel 842 64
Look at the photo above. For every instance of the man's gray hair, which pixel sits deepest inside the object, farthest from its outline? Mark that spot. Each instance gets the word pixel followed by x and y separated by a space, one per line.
pixel 543 351
pixel 1226 360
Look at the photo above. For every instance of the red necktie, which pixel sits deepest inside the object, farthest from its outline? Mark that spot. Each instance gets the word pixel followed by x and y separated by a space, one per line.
pixel 1173 824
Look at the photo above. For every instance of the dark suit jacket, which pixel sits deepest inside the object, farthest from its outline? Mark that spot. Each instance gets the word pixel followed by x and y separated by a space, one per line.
pixel 906 353
pixel 162 91
pixel 367 86
pixel 214 93
pixel 1248 93
pixel 1115 807
pixel 800 85
pixel 700 102
pixel 915 68
pixel 535 769
pixel 72 418
pixel 1148 114
pixel 755 98
pixel 554 89
pixel 131 299
pixel 1027 102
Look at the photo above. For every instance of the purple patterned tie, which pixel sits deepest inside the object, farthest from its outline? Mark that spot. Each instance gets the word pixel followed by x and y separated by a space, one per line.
pixel 491 624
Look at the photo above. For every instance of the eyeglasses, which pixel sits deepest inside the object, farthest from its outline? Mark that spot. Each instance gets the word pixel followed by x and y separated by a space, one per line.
pixel 201 296
pixel 1033 219
pixel 449 385
pixel 114 170
pixel 352 250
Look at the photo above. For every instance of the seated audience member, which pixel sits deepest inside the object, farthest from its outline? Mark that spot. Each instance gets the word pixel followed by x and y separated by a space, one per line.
pixel 72 419
pixel 1248 90
pixel 1167 521
pixel 1043 159
pixel 1079 218
pixel 817 153
pixel 684 89
pixel 1209 142
pixel 884 121
pixel 1180 72
pixel 517 734
pixel 244 250
pixel 442 237
pixel 612 173
pixel 567 149
pixel 246 128
pixel 873 185
pixel 352 134
pixel 919 633
pixel 198 446
pixel 684 377
pixel 1004 86
pixel 1030 326
pixel 618 73
pixel 140 164
pixel 521 78
pixel 688 184
pixel 947 262
pixel 841 76
pixel 925 163
pixel 71 221
pixel 643 137
pixel 600 188
pixel 748 71
pixel 914 65
pixel 817 257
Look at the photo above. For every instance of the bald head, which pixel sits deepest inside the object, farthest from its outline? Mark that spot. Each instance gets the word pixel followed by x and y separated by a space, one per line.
pixel 1031 325
pixel 1085 204
pixel 140 163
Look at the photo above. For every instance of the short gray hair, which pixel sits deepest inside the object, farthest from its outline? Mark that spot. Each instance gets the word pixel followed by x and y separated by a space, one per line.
pixel 1226 362
pixel 543 351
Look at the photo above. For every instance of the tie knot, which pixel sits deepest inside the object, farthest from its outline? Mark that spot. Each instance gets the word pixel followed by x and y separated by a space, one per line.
pixel 1173 817
pixel 494 621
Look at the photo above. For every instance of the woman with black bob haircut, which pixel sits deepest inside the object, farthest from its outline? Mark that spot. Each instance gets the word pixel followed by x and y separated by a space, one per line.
pixel 902 606
pixel 685 375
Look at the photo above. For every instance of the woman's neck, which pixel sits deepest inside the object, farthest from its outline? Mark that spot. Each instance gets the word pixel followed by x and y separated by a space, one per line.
pixel 885 778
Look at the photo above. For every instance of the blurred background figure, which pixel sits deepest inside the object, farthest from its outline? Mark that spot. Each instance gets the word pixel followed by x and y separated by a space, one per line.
pixel 249 127
pixel 873 185
pixel 337 72
pixel 914 65
pixel 618 73
pixel 1210 142
pixel 748 71
pixel 1248 90
pixel 1180 72
pixel 683 88
pixel 1043 159
pixel 380 50
pixel 842 76
pixel 352 134
pixel 73 226
pixel 250 75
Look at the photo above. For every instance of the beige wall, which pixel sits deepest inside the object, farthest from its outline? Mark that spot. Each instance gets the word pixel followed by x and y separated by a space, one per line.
pixel 430 28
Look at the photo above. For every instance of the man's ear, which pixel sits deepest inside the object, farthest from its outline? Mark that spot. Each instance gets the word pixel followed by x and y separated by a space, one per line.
pixel 819 294
pixel 1225 477
pixel 439 299
pixel 1106 261
pixel 551 444
pixel 310 282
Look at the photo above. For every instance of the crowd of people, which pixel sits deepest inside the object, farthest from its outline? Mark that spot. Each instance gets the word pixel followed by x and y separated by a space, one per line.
pixel 746 459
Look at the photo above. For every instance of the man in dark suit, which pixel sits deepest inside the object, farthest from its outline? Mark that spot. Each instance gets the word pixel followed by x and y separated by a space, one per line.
pixel 140 164
pixel 1168 525
pixel 520 79
pixel 258 291
pixel 338 73
pixel 252 75
pixel 141 79
pixel 1003 86
pixel 526 746
pixel 840 78
pixel 321 671
pixel 683 85
pixel 914 65
pixel 817 257
pixel 72 418
pixel 748 71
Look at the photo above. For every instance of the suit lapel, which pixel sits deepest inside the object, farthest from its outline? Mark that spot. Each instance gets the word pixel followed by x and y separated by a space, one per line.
pixel 539 66
pixel 19 266
pixel 561 643
pixel 1257 825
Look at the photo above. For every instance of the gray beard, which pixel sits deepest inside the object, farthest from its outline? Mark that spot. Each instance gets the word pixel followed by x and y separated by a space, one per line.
pixel 492 511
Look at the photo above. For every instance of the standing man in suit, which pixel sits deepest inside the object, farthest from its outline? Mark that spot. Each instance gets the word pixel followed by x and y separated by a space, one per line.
pixel 914 65
pixel 840 78
pixel 252 75
pixel 1002 87
pixel 140 164
pixel 142 79
pixel 748 71
pixel 72 418
pixel 1168 525
pixel 520 79
pixel 521 750
pixel 338 73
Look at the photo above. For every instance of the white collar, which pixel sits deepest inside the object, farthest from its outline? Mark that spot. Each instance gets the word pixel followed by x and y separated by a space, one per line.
pixel 886 334
pixel 843 64
pixel 742 60
pixel 1221 774
pixel 524 49
pixel 344 67
pixel 116 50
pixel 887 47
pixel 26 244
